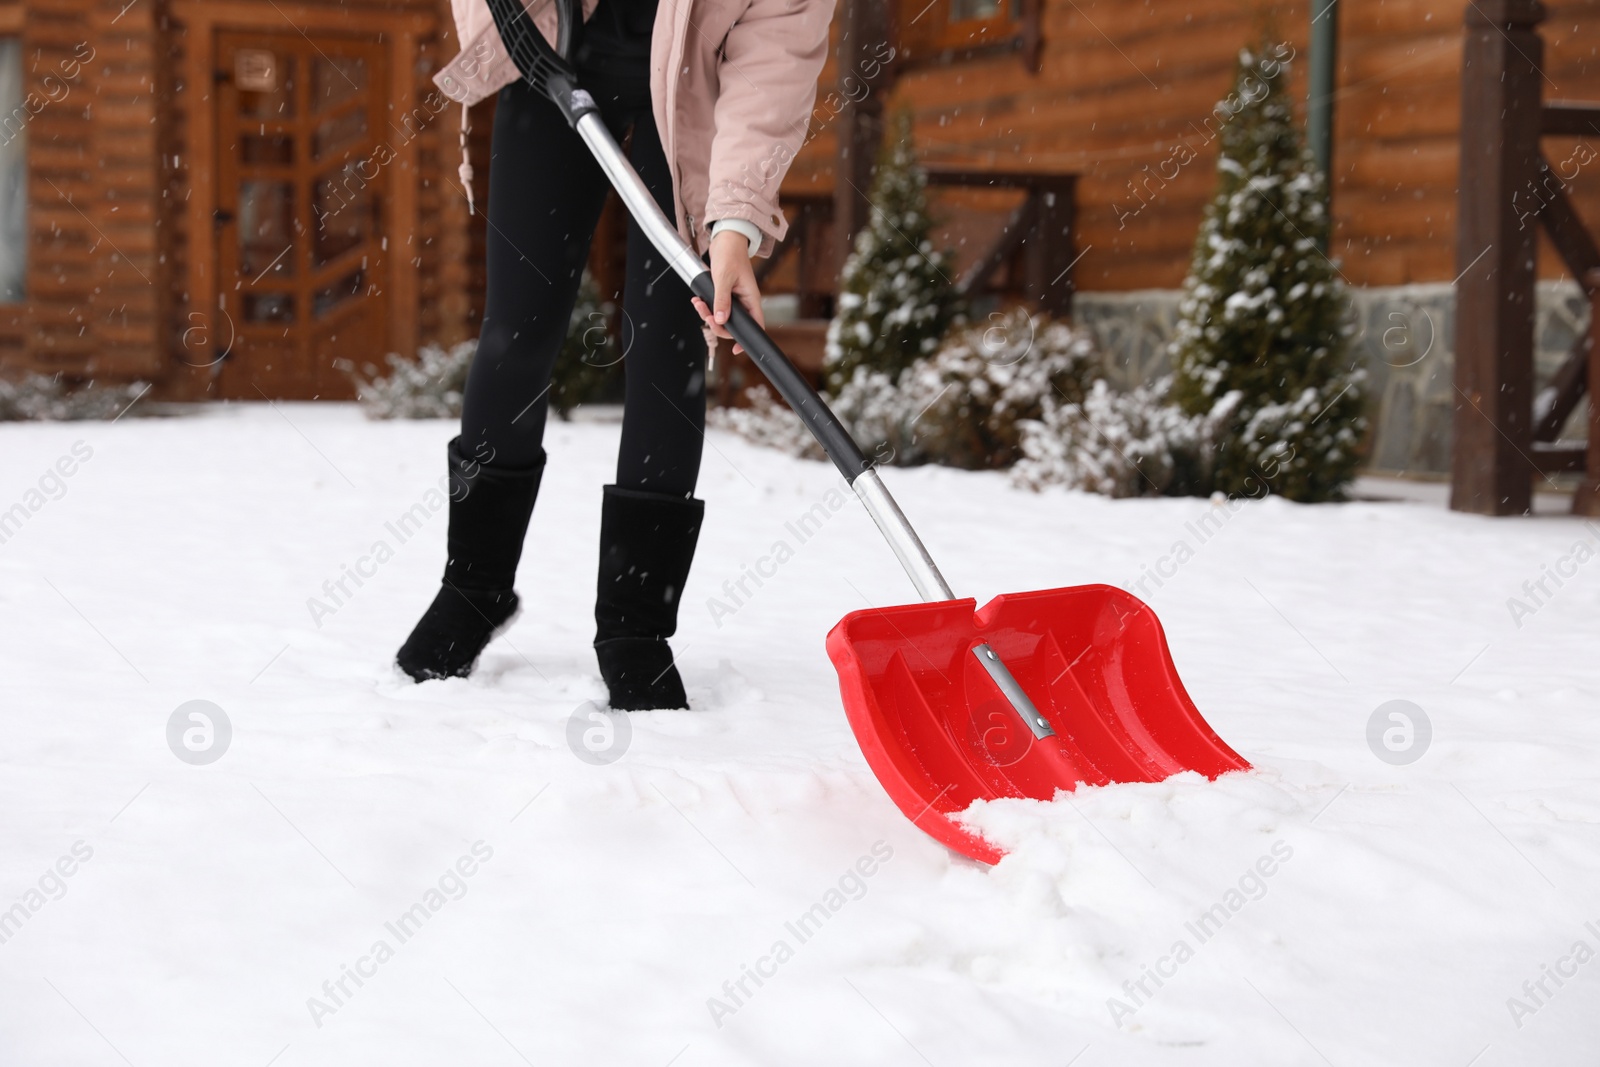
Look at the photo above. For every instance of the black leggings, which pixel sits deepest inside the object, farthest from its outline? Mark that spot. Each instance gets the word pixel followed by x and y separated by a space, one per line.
pixel 545 197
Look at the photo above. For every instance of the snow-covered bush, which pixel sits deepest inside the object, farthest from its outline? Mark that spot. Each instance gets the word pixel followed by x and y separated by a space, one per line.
pixel 46 397
pixel 1260 331
pixel 1121 444
pixel 431 386
pixel 767 421
pixel 428 387
pixel 896 299
pixel 962 407
pixel 1022 392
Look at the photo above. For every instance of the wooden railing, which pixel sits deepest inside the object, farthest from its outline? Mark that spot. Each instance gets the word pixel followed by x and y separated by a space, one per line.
pixel 1029 260
pixel 1504 435
pixel 1032 256
pixel 1576 246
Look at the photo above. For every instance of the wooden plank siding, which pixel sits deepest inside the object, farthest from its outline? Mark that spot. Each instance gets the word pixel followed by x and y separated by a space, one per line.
pixel 61 190
pixel 94 291
pixel 1121 85
pixel 119 161
pixel 121 165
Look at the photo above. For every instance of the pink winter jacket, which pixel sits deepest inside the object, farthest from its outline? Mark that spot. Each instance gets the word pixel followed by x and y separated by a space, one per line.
pixel 732 83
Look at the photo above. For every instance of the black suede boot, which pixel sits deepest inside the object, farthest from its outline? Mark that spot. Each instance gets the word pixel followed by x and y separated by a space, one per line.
pixel 646 545
pixel 489 510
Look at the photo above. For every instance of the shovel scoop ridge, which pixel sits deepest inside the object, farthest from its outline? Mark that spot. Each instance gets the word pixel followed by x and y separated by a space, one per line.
pixel 939 734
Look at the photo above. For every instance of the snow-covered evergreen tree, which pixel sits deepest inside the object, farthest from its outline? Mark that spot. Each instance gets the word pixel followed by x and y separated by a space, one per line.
pixel 1261 324
pixel 896 299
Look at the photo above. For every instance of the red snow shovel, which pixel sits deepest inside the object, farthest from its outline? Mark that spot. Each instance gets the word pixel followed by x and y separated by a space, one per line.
pixel 1034 694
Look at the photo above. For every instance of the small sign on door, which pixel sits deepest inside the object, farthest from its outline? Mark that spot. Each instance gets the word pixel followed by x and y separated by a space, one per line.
pixel 255 70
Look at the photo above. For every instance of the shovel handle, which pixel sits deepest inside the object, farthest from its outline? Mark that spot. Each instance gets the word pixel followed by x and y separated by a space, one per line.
pixel 779 370
pixel 550 71
pixel 790 384
pixel 798 393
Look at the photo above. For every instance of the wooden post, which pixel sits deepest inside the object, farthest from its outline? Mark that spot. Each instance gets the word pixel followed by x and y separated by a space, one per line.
pixel 1586 501
pixel 1491 472
pixel 1051 252
pixel 1324 78
pixel 863 27
pixel 817 263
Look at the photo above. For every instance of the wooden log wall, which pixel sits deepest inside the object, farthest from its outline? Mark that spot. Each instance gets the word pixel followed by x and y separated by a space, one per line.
pixel 1120 86
pixel 94 294
pixel 111 167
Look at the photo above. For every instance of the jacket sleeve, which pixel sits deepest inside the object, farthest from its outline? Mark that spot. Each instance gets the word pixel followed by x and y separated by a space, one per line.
pixel 767 84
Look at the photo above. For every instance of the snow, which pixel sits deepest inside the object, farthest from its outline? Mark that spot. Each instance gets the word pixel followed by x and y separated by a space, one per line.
pixel 1386 914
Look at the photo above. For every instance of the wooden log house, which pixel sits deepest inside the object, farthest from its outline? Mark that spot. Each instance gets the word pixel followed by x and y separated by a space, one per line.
pixel 224 197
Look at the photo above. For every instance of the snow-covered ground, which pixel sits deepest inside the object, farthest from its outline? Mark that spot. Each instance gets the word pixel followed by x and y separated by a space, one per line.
pixel 251 911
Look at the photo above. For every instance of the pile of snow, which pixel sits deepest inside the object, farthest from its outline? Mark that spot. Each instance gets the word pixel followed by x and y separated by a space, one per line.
pixel 378 872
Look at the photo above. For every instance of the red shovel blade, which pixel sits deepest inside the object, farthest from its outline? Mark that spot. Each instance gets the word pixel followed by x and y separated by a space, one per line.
pixel 939 735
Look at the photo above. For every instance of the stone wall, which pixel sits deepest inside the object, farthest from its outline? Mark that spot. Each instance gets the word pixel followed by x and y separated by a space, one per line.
pixel 1405 336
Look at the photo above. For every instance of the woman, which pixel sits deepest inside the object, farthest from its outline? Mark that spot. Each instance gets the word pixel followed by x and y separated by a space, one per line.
pixel 715 94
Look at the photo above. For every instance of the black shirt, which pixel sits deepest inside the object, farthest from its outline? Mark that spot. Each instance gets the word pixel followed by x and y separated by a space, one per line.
pixel 616 39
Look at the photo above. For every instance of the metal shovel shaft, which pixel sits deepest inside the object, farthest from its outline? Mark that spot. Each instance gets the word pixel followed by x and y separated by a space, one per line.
pixel 798 393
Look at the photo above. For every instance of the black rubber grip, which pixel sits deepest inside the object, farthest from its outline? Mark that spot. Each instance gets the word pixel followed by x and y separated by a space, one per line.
pixel 526 46
pixel 790 384
pixel 546 69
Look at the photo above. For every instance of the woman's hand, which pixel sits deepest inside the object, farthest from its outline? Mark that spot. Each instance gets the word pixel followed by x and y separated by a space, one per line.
pixel 734 276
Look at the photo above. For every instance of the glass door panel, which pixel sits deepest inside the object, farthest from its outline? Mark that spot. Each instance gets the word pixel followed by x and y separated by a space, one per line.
pixel 301 200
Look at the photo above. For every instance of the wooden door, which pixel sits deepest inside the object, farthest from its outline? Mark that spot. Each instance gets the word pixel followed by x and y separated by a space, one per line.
pixel 304 175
